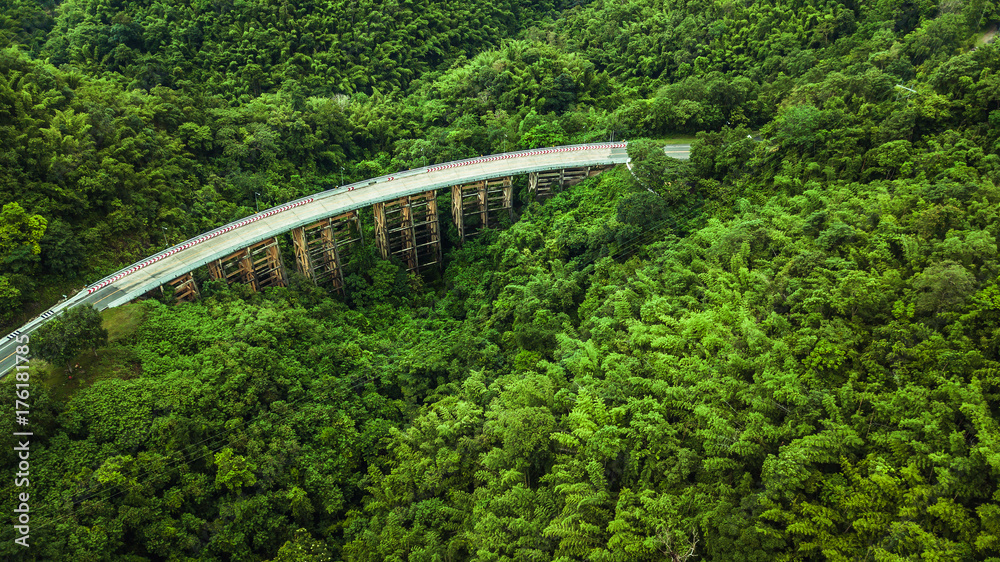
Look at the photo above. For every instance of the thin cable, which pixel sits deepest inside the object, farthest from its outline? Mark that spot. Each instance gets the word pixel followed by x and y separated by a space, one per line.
pixel 217 439
pixel 160 470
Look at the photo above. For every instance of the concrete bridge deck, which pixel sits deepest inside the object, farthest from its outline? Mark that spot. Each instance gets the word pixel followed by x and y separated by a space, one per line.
pixel 159 269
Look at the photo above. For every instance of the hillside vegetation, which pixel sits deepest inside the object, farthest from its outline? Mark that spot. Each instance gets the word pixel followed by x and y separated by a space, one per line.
pixel 785 348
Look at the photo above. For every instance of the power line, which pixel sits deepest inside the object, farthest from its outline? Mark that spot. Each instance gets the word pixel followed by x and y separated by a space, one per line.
pixel 214 438
pixel 216 441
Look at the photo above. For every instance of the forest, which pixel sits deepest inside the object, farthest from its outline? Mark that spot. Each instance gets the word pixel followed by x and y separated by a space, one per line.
pixel 784 348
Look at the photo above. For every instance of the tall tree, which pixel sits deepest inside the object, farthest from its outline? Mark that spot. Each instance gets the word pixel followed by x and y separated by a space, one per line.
pixel 62 338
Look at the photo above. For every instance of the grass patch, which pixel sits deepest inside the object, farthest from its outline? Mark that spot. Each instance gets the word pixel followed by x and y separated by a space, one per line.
pixel 987 37
pixel 122 321
pixel 115 362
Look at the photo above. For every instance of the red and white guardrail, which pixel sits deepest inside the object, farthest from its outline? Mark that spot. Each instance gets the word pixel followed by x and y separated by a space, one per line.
pixel 522 154
pixel 197 241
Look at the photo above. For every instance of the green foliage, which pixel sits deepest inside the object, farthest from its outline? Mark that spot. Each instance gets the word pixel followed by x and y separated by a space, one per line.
pixel 942 287
pixel 62 251
pixel 60 339
pixel 653 170
pixel 17 228
pixel 785 348
pixel 303 548
pixel 10 299
pixel 234 471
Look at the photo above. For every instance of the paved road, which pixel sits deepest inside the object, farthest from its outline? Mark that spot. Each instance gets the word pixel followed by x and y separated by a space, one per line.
pixel 135 280
pixel 679 151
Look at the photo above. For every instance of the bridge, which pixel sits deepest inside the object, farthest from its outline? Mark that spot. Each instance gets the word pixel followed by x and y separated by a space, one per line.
pixel 323 226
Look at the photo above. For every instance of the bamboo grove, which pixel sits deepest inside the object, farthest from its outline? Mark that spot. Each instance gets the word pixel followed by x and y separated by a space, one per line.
pixel 784 348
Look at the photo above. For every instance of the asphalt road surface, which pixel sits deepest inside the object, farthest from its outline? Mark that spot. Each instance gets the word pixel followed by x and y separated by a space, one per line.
pixel 10 344
pixel 678 151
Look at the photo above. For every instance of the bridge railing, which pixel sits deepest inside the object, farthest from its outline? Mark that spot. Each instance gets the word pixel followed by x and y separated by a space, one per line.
pixel 328 193
pixel 464 162
pixel 617 153
pixel 513 155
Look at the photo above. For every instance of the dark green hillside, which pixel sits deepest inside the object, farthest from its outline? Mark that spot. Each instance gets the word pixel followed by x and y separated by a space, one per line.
pixel 785 348
pixel 242 49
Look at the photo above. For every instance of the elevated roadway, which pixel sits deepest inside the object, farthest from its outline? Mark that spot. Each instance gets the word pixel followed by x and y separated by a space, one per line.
pixel 158 269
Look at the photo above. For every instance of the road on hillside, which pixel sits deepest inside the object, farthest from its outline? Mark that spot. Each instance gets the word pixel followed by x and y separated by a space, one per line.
pixel 678 151
pixel 9 346
pixel 129 283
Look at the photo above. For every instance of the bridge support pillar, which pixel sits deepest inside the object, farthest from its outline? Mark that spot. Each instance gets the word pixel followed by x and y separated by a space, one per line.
pixel 185 289
pixel 268 268
pixel 234 268
pixel 258 266
pixel 541 183
pixel 319 247
pixel 408 227
pixel 545 184
pixel 486 200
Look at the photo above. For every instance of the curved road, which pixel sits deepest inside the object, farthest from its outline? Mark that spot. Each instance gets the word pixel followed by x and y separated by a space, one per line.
pixel 678 151
pixel 135 280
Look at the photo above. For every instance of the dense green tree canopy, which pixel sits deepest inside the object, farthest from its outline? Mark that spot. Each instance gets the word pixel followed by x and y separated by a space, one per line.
pixel 783 348
pixel 62 338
